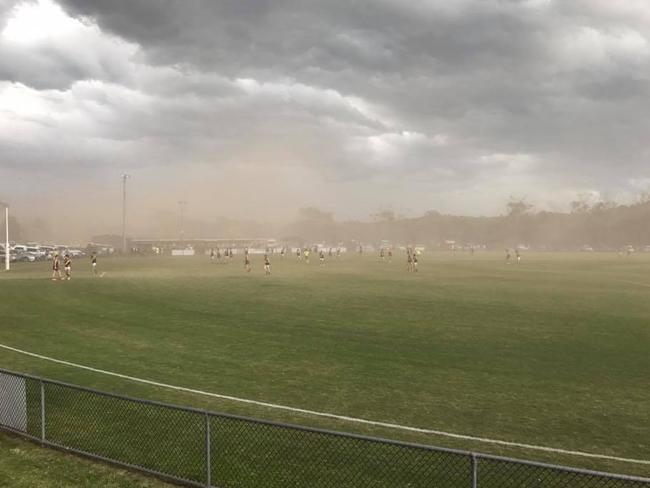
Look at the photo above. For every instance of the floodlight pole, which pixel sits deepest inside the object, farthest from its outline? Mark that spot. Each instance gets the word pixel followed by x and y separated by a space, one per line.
pixel 7 260
pixel 124 178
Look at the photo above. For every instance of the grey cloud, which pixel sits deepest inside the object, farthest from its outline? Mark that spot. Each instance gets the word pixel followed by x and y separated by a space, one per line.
pixel 335 86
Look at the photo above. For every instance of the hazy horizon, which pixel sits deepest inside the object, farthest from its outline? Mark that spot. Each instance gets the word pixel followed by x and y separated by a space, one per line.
pixel 252 110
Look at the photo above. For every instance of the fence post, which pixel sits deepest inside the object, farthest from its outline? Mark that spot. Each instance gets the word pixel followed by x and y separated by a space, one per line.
pixel 42 410
pixel 474 471
pixel 208 468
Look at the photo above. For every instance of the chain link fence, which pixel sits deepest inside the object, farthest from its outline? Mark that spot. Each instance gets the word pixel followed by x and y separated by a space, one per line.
pixel 200 448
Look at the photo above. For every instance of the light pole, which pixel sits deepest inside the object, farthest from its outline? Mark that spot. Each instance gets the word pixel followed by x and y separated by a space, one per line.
pixel 124 178
pixel 181 208
pixel 7 258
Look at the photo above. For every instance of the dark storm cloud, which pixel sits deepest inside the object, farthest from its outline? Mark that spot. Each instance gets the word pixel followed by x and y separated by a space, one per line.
pixel 538 97
pixel 433 63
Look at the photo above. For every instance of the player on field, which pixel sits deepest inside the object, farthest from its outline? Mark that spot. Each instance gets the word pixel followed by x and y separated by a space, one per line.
pixel 56 271
pixel 282 251
pixel 267 265
pixel 330 253
pixel 93 263
pixel 415 262
pixel 247 263
pixel 299 254
pixel 508 256
pixel 409 260
pixel 518 254
pixel 338 252
pixel 212 254
pixel 67 265
pixel 321 257
pixel 306 254
pixel 390 254
pixel 381 254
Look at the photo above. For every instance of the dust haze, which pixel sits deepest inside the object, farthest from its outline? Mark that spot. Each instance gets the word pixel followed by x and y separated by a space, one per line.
pixel 494 122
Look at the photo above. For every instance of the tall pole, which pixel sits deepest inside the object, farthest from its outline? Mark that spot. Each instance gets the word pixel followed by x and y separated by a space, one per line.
pixel 181 205
pixel 7 260
pixel 124 178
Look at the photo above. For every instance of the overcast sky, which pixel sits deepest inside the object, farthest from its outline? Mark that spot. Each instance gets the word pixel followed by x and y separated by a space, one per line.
pixel 257 107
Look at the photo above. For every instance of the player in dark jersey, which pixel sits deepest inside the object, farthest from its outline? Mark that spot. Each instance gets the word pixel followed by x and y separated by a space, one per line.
pixel 381 254
pixel 409 260
pixel 247 263
pixel 508 256
pixel 321 257
pixel 415 261
pixel 67 265
pixel 56 271
pixel 390 254
pixel 212 255
pixel 93 263
pixel 267 265
pixel 338 252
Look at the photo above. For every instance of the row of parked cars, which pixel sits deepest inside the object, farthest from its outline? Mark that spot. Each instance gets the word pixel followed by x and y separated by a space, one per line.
pixel 36 252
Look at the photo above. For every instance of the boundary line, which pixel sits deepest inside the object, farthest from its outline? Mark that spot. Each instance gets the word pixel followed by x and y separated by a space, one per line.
pixel 345 418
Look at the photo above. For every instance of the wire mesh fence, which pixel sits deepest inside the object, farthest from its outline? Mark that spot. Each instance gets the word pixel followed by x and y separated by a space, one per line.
pixel 200 448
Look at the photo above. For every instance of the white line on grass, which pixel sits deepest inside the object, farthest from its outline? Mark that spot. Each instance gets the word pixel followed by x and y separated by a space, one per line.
pixel 333 416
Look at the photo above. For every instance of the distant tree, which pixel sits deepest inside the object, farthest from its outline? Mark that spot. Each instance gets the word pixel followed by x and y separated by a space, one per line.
pixel 518 206
pixel 581 205
pixel 604 205
pixel 313 214
pixel 384 216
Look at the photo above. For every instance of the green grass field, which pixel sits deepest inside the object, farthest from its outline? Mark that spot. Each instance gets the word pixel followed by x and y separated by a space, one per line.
pixel 25 465
pixel 552 352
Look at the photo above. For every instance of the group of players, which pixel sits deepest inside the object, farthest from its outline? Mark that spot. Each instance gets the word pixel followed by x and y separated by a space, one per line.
pixel 67 266
pixel 303 254
pixel 509 256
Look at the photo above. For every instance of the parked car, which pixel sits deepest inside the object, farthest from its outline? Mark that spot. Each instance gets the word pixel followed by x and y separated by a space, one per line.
pixel 25 257
pixel 37 252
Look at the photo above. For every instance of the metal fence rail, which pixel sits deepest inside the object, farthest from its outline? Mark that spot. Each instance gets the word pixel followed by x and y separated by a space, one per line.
pixel 200 448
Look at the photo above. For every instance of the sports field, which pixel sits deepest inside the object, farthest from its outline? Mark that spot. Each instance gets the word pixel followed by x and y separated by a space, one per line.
pixel 553 352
